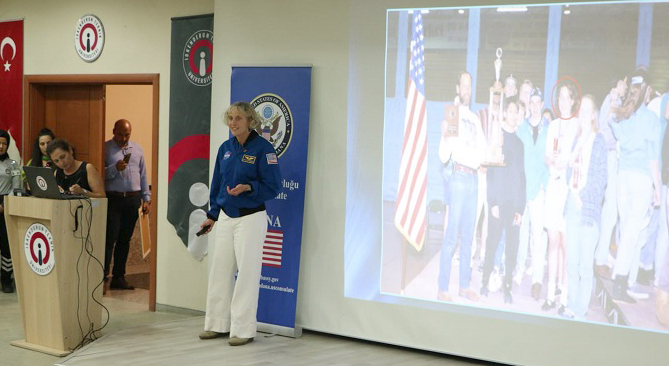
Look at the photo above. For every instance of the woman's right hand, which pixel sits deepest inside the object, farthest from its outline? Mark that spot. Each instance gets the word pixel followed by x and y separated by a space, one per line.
pixel 206 222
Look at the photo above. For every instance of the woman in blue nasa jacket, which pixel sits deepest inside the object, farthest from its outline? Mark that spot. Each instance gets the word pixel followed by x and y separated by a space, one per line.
pixel 245 176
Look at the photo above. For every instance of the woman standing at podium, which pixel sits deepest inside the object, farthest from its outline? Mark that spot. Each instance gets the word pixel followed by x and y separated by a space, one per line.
pixel 246 175
pixel 72 175
pixel 10 178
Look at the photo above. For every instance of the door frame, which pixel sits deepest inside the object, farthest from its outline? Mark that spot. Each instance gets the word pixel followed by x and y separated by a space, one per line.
pixel 32 85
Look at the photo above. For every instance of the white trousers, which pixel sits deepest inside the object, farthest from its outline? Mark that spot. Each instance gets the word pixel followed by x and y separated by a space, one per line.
pixel 635 198
pixel 232 307
pixel 534 233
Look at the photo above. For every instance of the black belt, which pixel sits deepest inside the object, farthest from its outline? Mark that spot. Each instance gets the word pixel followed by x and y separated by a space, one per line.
pixel 248 211
pixel 123 194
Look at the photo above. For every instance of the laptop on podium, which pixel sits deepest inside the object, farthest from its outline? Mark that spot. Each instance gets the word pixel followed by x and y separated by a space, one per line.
pixel 43 184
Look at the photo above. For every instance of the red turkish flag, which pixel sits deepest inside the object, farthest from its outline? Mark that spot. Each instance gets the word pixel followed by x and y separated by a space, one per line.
pixel 11 80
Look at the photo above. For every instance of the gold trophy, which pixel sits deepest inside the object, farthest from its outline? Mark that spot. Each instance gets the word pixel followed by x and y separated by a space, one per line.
pixel 494 155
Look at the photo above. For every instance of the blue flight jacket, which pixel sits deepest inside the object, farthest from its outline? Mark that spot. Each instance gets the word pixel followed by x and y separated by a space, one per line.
pixel 254 163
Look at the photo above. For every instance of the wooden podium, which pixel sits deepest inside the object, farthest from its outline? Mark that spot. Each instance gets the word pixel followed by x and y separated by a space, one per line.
pixel 56 277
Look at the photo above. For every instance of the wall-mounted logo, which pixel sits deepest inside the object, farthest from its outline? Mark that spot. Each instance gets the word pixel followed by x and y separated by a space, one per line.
pixel 89 38
pixel 7 41
pixel 198 57
pixel 276 124
pixel 38 246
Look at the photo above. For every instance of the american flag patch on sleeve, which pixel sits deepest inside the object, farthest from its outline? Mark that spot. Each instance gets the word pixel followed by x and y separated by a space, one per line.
pixel 271 158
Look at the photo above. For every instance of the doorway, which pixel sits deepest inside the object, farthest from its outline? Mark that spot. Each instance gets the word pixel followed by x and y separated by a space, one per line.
pixel 75 107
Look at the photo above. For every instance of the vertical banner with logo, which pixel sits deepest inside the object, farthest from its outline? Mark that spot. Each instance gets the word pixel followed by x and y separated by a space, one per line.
pixel 190 115
pixel 11 83
pixel 282 97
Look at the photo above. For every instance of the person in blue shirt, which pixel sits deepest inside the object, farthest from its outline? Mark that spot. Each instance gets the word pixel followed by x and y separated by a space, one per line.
pixel 637 131
pixel 586 178
pixel 532 132
pixel 127 188
pixel 246 175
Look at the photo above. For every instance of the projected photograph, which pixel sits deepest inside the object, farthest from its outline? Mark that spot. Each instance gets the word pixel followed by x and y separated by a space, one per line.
pixel 525 160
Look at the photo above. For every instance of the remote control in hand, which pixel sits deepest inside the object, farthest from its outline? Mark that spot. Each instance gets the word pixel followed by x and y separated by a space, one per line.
pixel 203 230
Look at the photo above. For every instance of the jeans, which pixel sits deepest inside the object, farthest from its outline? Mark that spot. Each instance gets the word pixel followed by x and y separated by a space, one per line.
pixel 461 222
pixel 662 249
pixel 662 269
pixel 655 248
pixel 609 210
pixel 581 242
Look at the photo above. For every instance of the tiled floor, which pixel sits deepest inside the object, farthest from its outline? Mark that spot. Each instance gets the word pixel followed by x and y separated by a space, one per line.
pixel 127 309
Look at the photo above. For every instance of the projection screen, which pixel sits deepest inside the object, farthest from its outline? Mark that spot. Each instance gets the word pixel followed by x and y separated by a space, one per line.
pixel 506 201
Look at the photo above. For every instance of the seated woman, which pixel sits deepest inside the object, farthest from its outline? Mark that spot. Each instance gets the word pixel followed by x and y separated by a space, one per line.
pixel 74 176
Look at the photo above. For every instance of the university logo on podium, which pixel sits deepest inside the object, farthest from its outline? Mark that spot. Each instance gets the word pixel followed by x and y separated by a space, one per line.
pixel 198 56
pixel 38 245
pixel 276 124
pixel 89 38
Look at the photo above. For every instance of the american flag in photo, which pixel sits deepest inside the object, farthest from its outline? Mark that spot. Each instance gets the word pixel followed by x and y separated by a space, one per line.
pixel 272 249
pixel 411 209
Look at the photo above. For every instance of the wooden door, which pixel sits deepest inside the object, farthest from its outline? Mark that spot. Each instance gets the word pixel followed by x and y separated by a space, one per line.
pixel 48 99
pixel 75 113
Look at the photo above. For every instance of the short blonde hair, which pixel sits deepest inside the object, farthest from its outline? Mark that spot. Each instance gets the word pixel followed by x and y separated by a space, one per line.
pixel 249 112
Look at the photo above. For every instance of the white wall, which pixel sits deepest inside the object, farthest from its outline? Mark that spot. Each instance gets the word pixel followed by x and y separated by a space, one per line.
pixel 345 42
pixel 138 41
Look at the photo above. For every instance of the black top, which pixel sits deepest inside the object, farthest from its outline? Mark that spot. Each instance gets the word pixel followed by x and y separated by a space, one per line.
pixel 506 184
pixel 79 177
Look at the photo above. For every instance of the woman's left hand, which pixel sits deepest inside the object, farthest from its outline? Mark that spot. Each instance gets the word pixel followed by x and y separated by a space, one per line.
pixel 239 189
pixel 76 189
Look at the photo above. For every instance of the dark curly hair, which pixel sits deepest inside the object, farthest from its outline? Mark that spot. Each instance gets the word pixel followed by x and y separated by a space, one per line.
pixel 572 88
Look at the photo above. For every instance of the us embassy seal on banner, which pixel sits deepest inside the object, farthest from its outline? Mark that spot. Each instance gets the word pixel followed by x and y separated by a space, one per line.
pixel 89 38
pixel 276 124
pixel 198 57
pixel 38 245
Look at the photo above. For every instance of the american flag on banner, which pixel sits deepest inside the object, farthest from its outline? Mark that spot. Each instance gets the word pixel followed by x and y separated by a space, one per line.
pixel 272 248
pixel 411 210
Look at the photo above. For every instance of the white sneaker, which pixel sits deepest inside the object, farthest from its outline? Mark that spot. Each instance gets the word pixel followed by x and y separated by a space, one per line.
pixel 637 294
pixel 518 277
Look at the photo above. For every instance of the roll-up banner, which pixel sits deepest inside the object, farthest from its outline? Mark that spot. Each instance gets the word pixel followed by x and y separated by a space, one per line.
pixel 281 96
pixel 190 121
